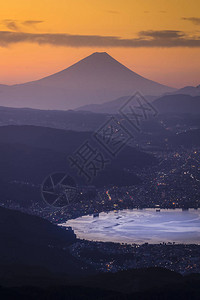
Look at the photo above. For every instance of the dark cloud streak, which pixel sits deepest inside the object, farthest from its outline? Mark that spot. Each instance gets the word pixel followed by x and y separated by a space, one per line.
pixel 115 12
pixel 32 22
pixel 15 25
pixel 195 21
pixel 160 34
pixel 11 24
pixel 162 39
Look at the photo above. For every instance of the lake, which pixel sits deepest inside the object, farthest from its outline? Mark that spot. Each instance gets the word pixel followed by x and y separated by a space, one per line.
pixel 140 226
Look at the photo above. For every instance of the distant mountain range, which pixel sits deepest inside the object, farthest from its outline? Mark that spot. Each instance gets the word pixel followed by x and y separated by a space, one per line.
pixel 110 107
pixel 175 103
pixel 93 80
pixel 68 120
pixel 178 104
pixel 189 90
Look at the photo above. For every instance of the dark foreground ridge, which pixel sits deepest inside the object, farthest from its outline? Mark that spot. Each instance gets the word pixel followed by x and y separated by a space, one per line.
pixel 140 284
pixel 32 241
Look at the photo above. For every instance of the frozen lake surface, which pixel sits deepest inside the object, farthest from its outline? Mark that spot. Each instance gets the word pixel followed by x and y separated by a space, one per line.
pixel 140 226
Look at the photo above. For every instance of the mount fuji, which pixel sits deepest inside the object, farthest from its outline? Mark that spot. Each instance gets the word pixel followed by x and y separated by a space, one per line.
pixel 95 79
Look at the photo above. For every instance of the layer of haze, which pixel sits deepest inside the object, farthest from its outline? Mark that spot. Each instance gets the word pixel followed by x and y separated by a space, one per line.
pixel 21 62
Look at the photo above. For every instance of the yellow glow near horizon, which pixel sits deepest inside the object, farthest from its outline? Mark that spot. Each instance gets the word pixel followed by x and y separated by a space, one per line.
pixel 173 66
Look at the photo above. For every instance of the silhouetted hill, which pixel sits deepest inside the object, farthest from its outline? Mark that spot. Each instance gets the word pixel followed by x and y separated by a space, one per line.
pixel 141 284
pixel 134 280
pixel 15 225
pixel 149 283
pixel 31 241
pixel 23 163
pixel 43 138
pixel 68 120
pixel 110 107
pixel 28 163
pixel 28 154
pixel 39 150
pixel 95 79
pixel 178 104
pixel 189 90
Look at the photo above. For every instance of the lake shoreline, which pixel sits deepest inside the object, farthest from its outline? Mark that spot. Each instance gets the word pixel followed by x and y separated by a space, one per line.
pixel 139 226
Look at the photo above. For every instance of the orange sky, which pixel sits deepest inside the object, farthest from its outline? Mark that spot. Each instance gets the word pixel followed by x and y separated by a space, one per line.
pixel 163 24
